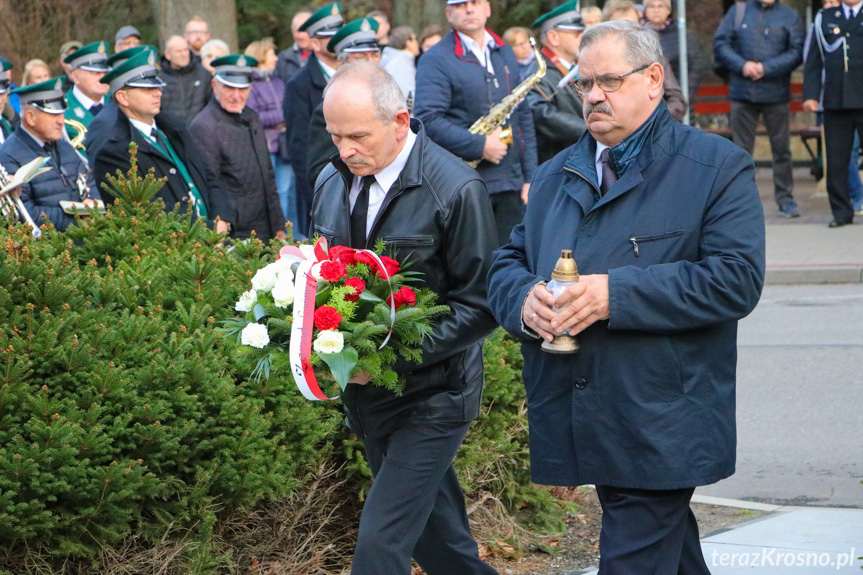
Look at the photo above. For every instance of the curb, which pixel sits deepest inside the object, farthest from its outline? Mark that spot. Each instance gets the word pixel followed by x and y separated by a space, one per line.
pixel 814 274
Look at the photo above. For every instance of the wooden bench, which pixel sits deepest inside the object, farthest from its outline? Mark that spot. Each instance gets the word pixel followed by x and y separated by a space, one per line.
pixel 712 104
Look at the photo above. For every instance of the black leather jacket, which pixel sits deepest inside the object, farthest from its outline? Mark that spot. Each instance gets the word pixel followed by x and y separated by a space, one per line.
pixel 438 212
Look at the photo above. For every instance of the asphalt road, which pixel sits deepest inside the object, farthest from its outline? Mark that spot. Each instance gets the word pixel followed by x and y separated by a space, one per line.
pixel 800 399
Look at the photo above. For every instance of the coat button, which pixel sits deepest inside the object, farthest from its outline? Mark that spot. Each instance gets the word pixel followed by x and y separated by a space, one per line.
pixel 580 383
pixel 173 171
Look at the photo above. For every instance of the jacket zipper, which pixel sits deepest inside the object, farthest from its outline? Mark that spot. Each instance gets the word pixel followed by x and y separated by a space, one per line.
pixel 645 239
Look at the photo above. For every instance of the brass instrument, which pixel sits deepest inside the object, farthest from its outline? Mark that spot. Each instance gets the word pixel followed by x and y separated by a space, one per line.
pixel 10 203
pixel 78 141
pixel 501 112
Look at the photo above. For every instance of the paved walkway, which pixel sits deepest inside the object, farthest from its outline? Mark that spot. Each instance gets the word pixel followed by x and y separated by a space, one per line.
pixel 804 249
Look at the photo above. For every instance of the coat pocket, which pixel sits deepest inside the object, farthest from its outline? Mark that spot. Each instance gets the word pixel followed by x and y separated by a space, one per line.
pixel 650 244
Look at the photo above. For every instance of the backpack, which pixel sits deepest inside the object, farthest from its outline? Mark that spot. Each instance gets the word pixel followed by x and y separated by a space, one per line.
pixel 739 12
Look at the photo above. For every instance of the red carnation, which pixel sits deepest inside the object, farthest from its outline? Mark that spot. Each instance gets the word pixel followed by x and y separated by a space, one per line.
pixel 343 254
pixel 326 317
pixel 365 258
pixel 404 296
pixel 333 271
pixel 358 285
pixel 392 267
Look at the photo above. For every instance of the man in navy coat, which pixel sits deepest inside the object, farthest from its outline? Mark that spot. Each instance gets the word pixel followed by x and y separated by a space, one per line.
pixel 41 134
pixel 667 230
pixel 458 81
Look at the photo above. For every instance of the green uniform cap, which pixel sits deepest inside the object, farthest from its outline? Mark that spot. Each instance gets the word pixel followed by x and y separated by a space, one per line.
pixel 47 95
pixel 357 36
pixel 92 57
pixel 122 56
pixel 564 17
pixel 234 70
pixel 139 71
pixel 5 81
pixel 324 22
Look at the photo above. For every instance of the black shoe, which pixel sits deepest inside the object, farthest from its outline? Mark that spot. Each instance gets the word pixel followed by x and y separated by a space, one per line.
pixel 834 223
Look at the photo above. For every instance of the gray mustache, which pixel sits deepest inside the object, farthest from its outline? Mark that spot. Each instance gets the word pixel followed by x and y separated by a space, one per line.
pixel 601 107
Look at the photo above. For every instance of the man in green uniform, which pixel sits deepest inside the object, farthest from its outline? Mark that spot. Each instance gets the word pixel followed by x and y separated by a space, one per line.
pixel 87 66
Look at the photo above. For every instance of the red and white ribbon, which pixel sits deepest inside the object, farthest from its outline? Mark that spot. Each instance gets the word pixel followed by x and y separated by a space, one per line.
pixel 302 328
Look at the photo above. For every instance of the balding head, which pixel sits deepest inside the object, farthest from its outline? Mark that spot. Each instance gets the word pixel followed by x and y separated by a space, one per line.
pixel 177 52
pixel 301 38
pixel 366 116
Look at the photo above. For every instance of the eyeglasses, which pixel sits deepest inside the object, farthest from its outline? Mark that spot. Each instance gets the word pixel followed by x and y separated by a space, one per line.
pixel 606 82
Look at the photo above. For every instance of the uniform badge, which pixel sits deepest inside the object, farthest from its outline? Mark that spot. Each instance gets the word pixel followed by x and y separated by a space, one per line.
pixel 58 85
pixel 241 61
pixel 836 30
pixel 335 10
pixel 838 14
pixel 151 60
pixel 365 27
pixel 80 113
pixel 101 49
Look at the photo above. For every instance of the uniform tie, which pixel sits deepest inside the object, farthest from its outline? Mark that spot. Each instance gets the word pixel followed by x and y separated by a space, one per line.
pixel 360 213
pixel 94 109
pixel 608 175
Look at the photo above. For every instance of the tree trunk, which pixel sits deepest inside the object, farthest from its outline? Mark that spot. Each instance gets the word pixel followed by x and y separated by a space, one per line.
pixel 221 16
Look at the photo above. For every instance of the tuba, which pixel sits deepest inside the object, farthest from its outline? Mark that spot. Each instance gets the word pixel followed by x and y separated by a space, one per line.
pixel 501 112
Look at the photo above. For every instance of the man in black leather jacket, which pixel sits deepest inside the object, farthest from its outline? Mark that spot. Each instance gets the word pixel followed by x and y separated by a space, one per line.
pixel 427 204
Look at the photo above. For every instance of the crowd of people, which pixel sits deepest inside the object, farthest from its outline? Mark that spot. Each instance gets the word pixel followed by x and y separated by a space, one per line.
pixel 361 132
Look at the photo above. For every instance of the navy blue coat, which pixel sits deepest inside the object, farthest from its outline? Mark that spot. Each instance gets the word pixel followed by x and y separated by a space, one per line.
pixel 825 73
pixel 43 193
pixel 454 90
pixel 770 34
pixel 303 94
pixel 648 400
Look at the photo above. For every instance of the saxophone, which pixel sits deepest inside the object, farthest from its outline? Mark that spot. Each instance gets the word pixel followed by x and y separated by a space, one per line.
pixel 501 112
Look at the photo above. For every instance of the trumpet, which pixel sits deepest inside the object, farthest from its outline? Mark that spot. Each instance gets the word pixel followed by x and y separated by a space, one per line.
pixel 10 203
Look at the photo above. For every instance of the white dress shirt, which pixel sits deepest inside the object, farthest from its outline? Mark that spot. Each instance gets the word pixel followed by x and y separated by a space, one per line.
pixel 146 129
pixel 854 10
pixel 84 100
pixel 384 180
pixel 328 72
pixel 483 54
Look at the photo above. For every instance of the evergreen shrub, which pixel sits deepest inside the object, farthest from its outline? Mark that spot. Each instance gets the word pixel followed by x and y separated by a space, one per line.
pixel 128 420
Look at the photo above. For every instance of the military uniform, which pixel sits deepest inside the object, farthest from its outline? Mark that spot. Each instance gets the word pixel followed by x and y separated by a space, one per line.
pixel 67 177
pixel 93 58
pixel 557 111
pixel 167 148
pixel 303 94
pixel 835 53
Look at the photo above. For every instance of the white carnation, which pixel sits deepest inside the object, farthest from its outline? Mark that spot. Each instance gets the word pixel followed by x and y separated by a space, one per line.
pixel 329 341
pixel 255 335
pixel 265 279
pixel 247 301
pixel 283 291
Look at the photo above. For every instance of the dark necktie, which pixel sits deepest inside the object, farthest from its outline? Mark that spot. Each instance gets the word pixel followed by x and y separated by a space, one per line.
pixel 360 213
pixel 608 175
pixel 51 148
pixel 94 109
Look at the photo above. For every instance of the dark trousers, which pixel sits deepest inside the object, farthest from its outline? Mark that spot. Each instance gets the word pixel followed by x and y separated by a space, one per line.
pixel 744 124
pixel 648 531
pixel 416 506
pixel 508 211
pixel 839 128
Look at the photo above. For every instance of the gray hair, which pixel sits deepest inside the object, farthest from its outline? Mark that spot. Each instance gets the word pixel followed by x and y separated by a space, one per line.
pixel 642 42
pixel 387 98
